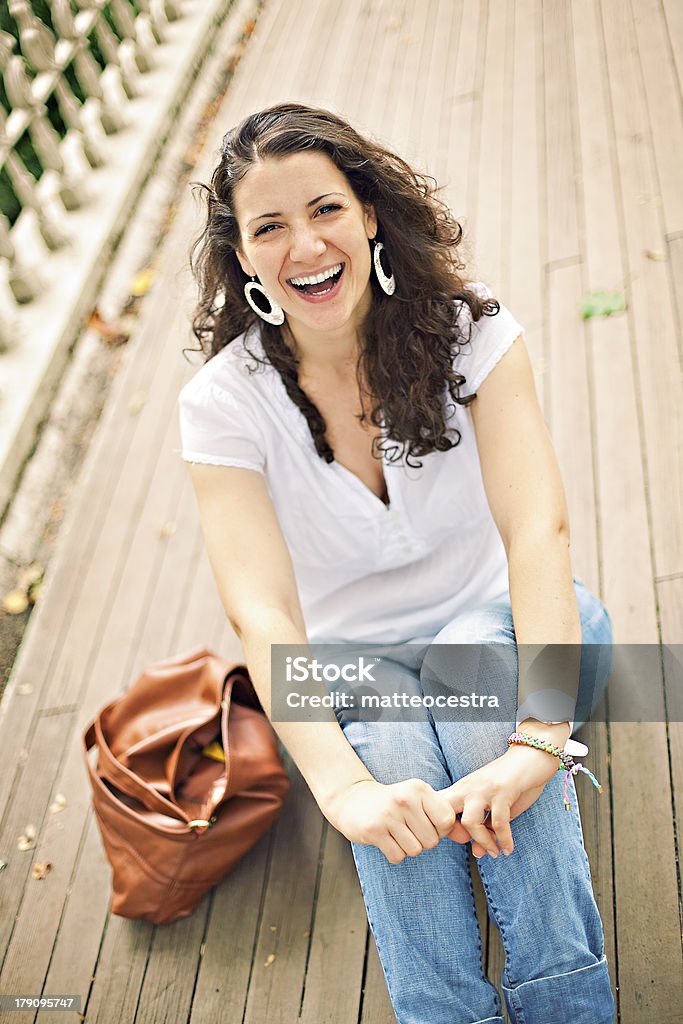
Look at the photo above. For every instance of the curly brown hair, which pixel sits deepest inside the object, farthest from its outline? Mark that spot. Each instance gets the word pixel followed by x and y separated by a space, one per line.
pixel 410 339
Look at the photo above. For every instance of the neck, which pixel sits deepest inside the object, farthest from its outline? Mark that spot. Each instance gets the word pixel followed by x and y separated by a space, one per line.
pixel 332 352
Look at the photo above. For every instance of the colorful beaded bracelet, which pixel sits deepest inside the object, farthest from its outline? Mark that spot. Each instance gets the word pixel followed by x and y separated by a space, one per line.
pixel 567 763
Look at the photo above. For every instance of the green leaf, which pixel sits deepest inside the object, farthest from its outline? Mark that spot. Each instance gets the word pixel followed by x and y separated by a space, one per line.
pixel 600 303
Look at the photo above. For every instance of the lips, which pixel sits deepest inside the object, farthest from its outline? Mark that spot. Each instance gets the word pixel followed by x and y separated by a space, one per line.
pixel 330 287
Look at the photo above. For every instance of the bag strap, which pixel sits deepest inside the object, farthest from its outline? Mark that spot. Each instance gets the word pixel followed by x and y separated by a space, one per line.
pixel 127 781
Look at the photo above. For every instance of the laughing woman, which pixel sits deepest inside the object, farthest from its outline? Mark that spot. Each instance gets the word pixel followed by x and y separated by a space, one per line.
pixel 371 465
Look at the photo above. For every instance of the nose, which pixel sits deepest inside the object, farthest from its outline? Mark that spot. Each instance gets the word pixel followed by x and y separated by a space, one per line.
pixel 306 244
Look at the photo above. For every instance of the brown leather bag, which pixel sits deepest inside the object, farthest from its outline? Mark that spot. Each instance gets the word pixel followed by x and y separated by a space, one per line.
pixel 173 820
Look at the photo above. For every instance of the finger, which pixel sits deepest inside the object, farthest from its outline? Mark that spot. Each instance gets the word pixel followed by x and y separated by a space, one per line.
pixel 391 850
pixel 439 811
pixel 477 850
pixel 500 822
pixel 406 839
pixel 459 834
pixel 472 818
pixel 423 829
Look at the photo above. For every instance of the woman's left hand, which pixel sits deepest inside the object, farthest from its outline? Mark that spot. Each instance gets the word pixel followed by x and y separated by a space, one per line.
pixel 505 787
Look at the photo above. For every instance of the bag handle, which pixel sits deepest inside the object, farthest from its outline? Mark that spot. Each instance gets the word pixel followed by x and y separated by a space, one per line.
pixel 126 781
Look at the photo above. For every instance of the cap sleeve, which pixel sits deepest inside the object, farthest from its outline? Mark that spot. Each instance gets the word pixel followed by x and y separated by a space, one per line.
pixel 491 337
pixel 217 427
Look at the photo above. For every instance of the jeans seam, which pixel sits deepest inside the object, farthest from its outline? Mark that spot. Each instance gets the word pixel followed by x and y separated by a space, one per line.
pixel 495 913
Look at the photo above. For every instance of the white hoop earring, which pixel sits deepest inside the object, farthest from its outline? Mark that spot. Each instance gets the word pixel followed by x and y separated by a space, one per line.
pixel 387 284
pixel 275 315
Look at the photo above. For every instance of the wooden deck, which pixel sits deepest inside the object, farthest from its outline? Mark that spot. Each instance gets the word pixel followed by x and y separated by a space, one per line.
pixel 556 129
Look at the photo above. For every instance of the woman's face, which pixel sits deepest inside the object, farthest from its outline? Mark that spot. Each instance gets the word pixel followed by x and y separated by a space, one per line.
pixel 299 219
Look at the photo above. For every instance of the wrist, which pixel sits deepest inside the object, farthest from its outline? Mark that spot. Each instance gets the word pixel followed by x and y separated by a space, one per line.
pixel 557 734
pixel 325 797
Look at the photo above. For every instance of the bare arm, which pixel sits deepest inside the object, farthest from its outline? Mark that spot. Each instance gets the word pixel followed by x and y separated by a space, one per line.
pixel 526 496
pixel 255 579
pixel 527 501
pixel 257 587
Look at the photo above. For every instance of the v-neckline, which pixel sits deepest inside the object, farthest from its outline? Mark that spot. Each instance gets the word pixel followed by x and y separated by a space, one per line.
pixel 305 433
pixel 362 487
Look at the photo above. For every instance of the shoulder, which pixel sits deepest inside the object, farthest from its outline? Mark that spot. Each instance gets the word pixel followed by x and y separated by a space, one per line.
pixel 483 341
pixel 226 378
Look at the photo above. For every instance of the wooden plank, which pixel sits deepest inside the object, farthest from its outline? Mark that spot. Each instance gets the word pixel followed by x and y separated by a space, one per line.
pixel 521 275
pixel 332 76
pixel 465 128
pixel 492 172
pixel 655 352
pixel 377 1007
pixel 569 422
pixel 409 82
pixel 673 13
pixel 663 99
pixel 276 985
pixel 670 603
pixel 650 976
pixel 675 250
pixel 560 158
pixel 430 117
pixel 404 83
pixel 359 91
pixel 337 940
pixel 29 807
pixel 226 951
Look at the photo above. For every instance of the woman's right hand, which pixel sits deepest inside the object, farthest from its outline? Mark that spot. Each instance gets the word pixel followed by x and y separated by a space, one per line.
pixel 401 819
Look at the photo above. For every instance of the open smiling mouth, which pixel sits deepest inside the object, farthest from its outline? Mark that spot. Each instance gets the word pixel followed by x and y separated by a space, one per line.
pixel 318 286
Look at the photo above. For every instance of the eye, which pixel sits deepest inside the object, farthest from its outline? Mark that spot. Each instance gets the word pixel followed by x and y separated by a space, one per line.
pixel 329 206
pixel 265 230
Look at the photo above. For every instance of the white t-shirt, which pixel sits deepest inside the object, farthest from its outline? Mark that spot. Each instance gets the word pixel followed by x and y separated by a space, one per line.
pixel 365 572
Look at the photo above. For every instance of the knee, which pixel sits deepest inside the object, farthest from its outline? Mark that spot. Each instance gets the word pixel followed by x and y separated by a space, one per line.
pixel 396 751
pixel 596 624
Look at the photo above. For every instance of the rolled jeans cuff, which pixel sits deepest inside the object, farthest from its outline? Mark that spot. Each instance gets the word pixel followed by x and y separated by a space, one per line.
pixel 583 996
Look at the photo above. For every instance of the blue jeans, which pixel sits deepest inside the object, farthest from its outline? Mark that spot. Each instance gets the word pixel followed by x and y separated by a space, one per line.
pixel 422 910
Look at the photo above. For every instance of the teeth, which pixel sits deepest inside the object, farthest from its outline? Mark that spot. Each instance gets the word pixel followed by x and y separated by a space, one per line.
pixel 317 278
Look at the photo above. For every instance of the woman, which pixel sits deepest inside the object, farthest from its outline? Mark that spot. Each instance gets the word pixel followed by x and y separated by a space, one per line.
pixel 371 465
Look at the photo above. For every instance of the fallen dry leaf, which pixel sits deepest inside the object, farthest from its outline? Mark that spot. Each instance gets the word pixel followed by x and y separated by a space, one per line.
pixel 269 960
pixel 3 865
pixel 15 602
pixel 142 282
pixel 41 869
pixel 167 529
pixel 27 840
pixel 111 333
pixel 136 402
pixel 273 927
pixel 58 804
pixel 29 575
pixel 655 254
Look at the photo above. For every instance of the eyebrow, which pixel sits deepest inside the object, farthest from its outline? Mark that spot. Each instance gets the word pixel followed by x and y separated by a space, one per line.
pixel 279 214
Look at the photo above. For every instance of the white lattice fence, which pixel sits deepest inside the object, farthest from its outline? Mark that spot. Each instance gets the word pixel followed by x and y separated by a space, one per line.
pixel 67 86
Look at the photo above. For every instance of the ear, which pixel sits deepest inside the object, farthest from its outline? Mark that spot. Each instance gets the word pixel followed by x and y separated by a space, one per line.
pixel 245 264
pixel 370 221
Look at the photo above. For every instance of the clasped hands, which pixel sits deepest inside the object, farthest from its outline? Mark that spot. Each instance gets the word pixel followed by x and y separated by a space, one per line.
pixel 405 818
